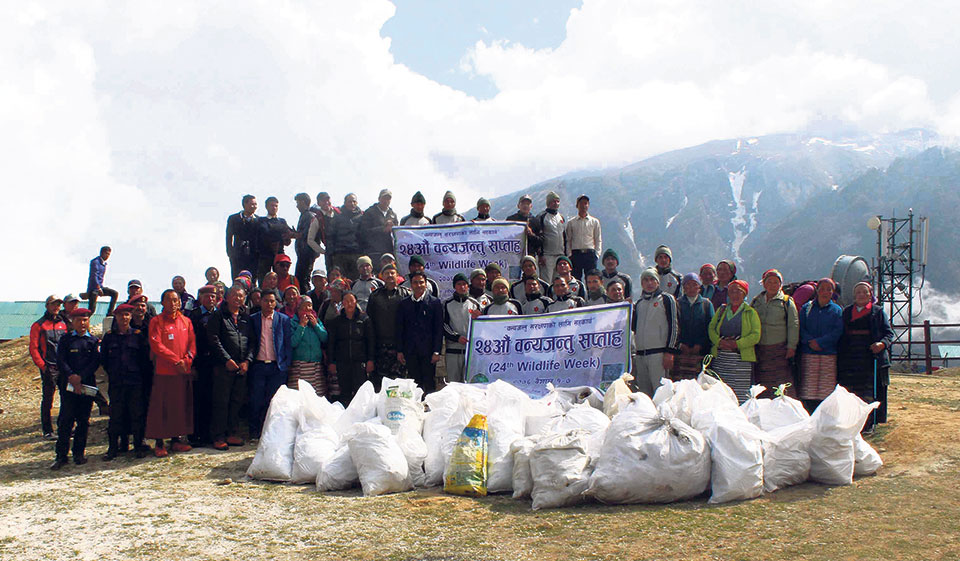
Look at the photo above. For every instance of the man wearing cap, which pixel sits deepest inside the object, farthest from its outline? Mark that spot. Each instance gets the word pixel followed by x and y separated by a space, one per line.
pixel 243 229
pixel 533 301
pixel 274 234
pixel 366 283
pixel 318 294
pixel 281 266
pixel 382 308
pixel 134 289
pixel 174 346
pixel 309 244
pixel 449 213
pixel 344 237
pixel 656 333
pixel 501 304
pixel 45 334
pixel 610 263
pixel 562 298
pixel 70 303
pixel 478 285
pixel 325 213
pixel 272 354
pixel 493 272
pixel 523 214
pixel 125 356
pixel 457 313
pixel 584 239
pixel 596 295
pixel 376 227
pixel 78 357
pixel 200 317
pixel 528 268
pixel 418 265
pixel 416 217
pixel 564 269
pixel 95 288
pixel 420 333
pixel 388 259
pixel 548 235
pixel 669 279
pixel 229 335
pixel 483 211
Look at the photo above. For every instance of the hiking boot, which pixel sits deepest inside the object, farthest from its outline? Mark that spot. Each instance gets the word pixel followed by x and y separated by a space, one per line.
pixel 58 463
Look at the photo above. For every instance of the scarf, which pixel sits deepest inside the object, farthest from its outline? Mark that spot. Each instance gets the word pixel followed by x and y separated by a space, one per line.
pixel 552 210
pixel 500 299
pixel 861 312
pixel 450 212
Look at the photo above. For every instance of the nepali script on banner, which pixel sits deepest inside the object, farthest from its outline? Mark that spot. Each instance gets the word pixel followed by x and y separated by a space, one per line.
pixel 578 347
pixel 449 249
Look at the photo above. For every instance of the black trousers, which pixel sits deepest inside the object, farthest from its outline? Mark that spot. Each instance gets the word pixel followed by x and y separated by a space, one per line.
pixel 583 261
pixel 422 371
pixel 202 404
pixel 243 263
pixel 127 415
pixel 48 380
pixel 303 269
pixel 92 299
pixel 74 410
pixel 228 392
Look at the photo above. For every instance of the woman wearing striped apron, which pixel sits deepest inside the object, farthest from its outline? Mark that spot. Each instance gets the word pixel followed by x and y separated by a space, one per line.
pixel 863 355
pixel 780 333
pixel 821 325
pixel 735 332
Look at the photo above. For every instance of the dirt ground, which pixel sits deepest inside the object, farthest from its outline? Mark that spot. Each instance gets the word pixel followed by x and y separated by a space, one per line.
pixel 198 505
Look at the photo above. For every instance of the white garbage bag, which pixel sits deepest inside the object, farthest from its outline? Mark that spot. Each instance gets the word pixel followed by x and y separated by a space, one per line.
pixel 560 465
pixel 616 394
pixel 785 458
pixel 752 406
pixel 836 423
pixel 400 405
pixel 708 381
pixel 866 460
pixel 338 472
pixel 736 453
pixel 507 409
pixel 568 397
pixel 415 451
pixel 650 458
pixel 450 409
pixel 380 462
pixel 274 458
pixel 316 440
pixel 362 407
pixel 782 411
pixel 522 478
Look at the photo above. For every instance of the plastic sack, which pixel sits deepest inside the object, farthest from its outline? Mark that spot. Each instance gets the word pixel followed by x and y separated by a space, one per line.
pixel 782 411
pixel 560 466
pixel 274 458
pixel 415 451
pixel 736 454
pixel 362 407
pixel 836 423
pixel 586 418
pixel 399 405
pixel 785 458
pixel 650 458
pixel 616 394
pixel 543 415
pixel 380 462
pixel 316 440
pixel 752 406
pixel 566 398
pixel 506 415
pixel 466 474
pixel 522 478
pixel 708 379
pixel 450 409
pixel 866 460
pixel 681 396
pixel 338 472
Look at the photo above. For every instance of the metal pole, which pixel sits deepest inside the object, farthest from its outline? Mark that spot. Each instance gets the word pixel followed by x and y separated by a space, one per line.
pixel 910 286
pixel 928 358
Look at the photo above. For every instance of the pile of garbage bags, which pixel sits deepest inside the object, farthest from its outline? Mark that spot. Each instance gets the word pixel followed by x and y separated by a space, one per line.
pixel 571 446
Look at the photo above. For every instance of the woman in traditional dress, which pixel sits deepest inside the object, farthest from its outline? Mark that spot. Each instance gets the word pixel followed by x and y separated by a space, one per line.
pixel 821 325
pixel 308 337
pixel 696 311
pixel 780 333
pixel 863 355
pixel 735 332
pixel 174 346
pixel 726 273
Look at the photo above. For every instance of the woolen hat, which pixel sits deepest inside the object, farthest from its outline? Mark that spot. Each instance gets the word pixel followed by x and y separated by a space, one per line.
pixel 530 258
pixel 473 274
pixel 460 277
pixel 483 201
pixel 449 195
pixel 663 250
pixel 691 277
pixel 611 253
pixel 564 258
pixel 500 281
pixel 417 259
pixel 364 260
pixel 492 266
pixel 387 267
pixel 650 272
pixel 418 198
pixel 552 196
pixel 388 256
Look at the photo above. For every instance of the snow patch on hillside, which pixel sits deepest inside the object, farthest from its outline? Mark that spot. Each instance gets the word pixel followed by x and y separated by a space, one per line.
pixel 672 218
pixel 744 218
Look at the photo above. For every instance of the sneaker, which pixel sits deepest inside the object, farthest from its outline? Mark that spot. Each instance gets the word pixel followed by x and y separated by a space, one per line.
pixel 221 445
pixel 49 436
pixel 180 447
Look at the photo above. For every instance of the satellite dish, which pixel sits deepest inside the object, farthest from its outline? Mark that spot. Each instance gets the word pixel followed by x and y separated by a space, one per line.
pixel 873 223
pixel 848 270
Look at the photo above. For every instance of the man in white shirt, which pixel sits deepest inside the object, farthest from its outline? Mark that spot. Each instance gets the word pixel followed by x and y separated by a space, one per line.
pixel 584 240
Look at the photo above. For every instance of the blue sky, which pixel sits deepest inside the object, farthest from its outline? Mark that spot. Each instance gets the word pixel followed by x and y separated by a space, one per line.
pixel 432 37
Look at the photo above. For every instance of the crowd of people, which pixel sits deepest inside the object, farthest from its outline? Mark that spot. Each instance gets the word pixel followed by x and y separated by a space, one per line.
pixel 202 371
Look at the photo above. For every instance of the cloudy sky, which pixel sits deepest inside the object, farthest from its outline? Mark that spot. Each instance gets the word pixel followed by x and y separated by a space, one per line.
pixel 141 124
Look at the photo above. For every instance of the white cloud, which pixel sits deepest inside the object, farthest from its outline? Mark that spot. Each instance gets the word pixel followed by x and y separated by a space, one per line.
pixel 141 125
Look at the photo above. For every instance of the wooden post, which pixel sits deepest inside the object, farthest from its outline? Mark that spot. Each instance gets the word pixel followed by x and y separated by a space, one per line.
pixel 928 358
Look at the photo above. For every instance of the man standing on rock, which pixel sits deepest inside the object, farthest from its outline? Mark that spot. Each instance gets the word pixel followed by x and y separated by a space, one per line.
pixel 95 288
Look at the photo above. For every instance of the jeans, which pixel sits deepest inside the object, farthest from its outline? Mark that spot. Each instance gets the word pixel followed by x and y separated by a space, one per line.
pixel 48 379
pixel 92 299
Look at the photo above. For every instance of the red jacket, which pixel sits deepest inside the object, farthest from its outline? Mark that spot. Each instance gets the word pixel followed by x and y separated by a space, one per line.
pixel 45 333
pixel 171 340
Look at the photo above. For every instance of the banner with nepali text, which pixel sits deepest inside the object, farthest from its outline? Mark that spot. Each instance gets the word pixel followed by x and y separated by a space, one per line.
pixel 449 249
pixel 578 347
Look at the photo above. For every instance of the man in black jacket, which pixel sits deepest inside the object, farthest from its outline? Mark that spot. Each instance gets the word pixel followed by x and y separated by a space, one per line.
pixel 382 308
pixel 274 234
pixel 125 355
pixel 242 238
pixel 523 214
pixel 202 364
pixel 78 357
pixel 420 332
pixel 343 239
pixel 308 245
pixel 229 335
pixel 376 228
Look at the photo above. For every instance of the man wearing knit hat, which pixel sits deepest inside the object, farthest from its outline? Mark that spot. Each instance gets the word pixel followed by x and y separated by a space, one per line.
pixel 562 298
pixel 528 268
pixel 449 213
pixel 502 304
pixel 382 308
pixel 458 310
pixel 366 283
pixel 478 286
pixel 483 211
pixel 584 238
pixel 656 333
pixel 418 265
pixel 376 227
pixel 669 279
pixel 610 263
pixel 416 217
pixel 523 214
pixel 564 269
pixel 548 235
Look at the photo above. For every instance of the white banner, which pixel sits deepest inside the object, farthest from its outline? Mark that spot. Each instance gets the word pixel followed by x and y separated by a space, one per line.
pixel 449 249
pixel 578 347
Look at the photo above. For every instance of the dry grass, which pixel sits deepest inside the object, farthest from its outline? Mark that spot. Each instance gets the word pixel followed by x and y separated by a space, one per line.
pixel 198 505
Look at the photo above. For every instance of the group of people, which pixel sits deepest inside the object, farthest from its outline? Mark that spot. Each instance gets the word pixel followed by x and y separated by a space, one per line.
pixel 192 373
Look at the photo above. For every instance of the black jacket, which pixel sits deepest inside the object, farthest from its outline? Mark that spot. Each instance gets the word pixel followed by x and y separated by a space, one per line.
pixel 534 242
pixel 420 325
pixel 243 236
pixel 126 357
pixel 880 330
pixel 350 340
pixel 78 355
pixel 228 340
pixel 199 318
pixel 373 238
pixel 382 308
pixel 343 235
